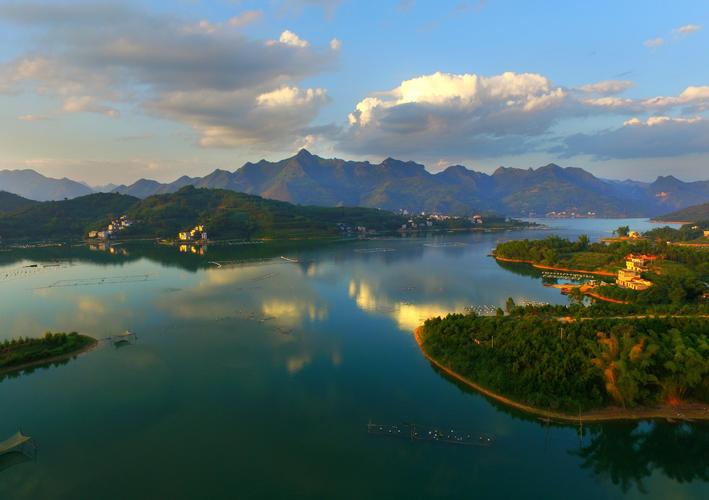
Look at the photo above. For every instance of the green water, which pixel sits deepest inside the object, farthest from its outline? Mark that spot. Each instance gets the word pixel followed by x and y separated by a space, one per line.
pixel 257 379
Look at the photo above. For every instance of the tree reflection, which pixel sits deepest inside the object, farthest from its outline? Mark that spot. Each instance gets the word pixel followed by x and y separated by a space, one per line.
pixel 628 453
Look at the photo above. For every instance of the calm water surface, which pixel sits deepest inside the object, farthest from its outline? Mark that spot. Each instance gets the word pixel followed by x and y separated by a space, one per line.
pixel 257 379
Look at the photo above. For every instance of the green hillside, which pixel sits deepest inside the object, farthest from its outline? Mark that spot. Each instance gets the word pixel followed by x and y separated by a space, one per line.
pixel 63 220
pixel 694 213
pixel 228 214
pixel 11 202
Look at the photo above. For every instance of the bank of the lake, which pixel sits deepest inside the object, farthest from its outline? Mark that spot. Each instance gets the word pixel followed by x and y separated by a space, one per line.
pixel 685 411
pixel 20 354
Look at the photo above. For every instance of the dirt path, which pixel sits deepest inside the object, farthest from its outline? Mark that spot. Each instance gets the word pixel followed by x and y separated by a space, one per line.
pixel 686 411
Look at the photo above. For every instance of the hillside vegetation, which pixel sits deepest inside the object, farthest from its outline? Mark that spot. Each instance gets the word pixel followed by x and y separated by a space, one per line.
pixel 227 214
pixel 694 213
pixel 576 366
pixel 63 220
pixel 11 202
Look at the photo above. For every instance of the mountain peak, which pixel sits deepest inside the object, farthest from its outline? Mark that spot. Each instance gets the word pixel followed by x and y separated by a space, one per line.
pixel 303 154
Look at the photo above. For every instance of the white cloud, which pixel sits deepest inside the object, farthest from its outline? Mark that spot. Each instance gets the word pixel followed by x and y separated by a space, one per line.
pixel 88 104
pixel 246 18
pixel 433 114
pixel 653 43
pixel 607 87
pixel 656 137
pixel 335 44
pixel 472 116
pixel 687 29
pixel 290 38
pixel 290 96
pixel 206 76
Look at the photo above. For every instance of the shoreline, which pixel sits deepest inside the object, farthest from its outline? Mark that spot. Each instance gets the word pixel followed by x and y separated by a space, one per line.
pixel 553 268
pixel 40 362
pixel 685 412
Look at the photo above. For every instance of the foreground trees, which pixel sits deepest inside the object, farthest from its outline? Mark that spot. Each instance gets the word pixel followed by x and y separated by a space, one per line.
pixel 576 366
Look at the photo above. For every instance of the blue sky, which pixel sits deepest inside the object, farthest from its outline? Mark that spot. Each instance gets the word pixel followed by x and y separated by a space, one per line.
pixel 114 91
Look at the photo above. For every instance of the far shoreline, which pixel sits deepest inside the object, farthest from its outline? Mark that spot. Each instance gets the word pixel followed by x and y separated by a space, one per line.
pixel 685 412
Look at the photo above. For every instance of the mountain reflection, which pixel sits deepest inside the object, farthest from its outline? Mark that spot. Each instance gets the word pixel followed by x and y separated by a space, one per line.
pixel 628 453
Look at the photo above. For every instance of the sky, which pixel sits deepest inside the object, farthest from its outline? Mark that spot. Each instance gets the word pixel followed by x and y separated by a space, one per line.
pixel 110 92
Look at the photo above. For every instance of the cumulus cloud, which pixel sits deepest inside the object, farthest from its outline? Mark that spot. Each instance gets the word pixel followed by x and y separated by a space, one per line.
pixel 473 116
pixel 335 44
pixel 104 56
pixel 656 137
pixel 290 38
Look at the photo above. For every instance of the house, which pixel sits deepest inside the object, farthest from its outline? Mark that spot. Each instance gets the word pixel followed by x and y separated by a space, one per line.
pixel 93 234
pixel 638 262
pixel 193 234
pixel 632 280
pixel 631 276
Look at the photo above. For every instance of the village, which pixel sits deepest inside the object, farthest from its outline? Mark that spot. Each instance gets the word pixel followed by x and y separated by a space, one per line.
pixel 114 227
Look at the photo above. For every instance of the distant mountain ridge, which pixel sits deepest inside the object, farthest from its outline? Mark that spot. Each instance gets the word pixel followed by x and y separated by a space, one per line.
pixel 307 179
pixel 34 186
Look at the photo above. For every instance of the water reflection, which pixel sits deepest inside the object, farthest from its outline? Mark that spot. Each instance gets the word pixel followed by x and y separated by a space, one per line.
pixel 629 453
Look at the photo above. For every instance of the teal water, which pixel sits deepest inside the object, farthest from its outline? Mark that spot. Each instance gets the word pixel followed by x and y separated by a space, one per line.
pixel 257 379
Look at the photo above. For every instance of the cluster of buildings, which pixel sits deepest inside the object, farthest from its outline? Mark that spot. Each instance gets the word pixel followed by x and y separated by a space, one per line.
pixel 195 249
pixel 569 214
pixel 114 227
pixel 631 276
pixel 197 233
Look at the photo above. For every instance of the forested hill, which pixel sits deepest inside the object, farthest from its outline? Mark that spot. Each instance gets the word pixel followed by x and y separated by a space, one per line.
pixel 10 202
pixel 695 213
pixel 228 214
pixel 66 219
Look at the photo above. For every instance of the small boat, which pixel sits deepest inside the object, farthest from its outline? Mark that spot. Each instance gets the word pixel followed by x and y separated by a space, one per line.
pixel 287 259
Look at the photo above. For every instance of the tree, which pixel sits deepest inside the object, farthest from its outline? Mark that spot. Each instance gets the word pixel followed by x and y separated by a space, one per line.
pixel 510 305
pixel 622 231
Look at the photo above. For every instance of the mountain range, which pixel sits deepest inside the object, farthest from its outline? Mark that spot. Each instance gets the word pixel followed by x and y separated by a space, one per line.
pixel 307 179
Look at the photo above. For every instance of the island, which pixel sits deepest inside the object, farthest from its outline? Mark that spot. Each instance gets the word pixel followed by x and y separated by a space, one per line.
pixel 22 353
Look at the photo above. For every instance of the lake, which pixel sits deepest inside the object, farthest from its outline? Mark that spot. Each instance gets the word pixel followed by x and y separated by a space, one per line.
pixel 255 376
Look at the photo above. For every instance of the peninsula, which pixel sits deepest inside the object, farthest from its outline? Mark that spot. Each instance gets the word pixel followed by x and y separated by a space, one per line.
pixel 22 353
